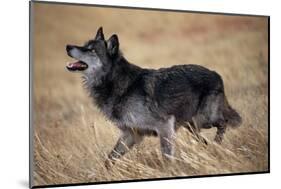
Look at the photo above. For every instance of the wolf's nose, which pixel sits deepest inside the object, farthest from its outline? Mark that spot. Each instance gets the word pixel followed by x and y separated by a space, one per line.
pixel 68 47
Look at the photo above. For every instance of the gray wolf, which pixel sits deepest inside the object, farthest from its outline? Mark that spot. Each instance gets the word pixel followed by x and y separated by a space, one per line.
pixel 143 102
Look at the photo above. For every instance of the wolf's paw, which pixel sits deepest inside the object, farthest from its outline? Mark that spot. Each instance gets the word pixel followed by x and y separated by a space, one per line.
pixel 218 139
pixel 108 164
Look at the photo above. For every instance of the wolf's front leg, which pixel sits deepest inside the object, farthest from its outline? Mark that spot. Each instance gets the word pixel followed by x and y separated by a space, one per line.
pixel 167 136
pixel 126 141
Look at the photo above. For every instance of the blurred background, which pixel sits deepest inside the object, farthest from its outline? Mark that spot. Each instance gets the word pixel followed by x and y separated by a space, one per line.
pixel 71 137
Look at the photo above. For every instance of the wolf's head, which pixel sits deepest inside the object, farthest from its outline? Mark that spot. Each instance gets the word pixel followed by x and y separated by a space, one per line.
pixel 95 58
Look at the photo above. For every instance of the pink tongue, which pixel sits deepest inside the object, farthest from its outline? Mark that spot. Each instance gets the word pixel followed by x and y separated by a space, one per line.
pixel 75 65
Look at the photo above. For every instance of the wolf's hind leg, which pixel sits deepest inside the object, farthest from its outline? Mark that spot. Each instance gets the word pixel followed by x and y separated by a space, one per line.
pixel 221 127
pixel 211 114
pixel 126 141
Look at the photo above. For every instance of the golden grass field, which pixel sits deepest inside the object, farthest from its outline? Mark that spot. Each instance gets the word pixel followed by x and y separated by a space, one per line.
pixel 71 138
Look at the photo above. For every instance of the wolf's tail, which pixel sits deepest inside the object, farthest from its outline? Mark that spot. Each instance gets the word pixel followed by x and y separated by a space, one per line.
pixel 231 116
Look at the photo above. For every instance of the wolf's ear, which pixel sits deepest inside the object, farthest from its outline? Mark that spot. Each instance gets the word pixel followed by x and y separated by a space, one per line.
pixel 113 45
pixel 99 35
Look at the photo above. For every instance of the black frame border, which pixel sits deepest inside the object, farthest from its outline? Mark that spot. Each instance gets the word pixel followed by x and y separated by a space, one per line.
pixel 133 180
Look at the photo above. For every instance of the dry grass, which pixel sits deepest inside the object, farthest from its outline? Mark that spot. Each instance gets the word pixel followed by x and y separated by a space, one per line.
pixel 71 138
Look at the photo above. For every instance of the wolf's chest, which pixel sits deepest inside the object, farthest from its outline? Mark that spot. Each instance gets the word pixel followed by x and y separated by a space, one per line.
pixel 131 113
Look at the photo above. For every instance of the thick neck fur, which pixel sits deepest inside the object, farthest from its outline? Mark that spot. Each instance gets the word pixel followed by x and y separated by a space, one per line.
pixel 113 84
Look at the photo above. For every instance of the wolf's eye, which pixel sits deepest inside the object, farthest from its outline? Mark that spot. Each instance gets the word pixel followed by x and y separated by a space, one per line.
pixel 89 47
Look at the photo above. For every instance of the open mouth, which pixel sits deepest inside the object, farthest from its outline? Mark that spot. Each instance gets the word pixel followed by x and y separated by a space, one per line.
pixel 77 66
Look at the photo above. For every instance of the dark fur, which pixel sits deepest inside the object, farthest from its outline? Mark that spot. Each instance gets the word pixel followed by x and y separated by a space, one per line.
pixel 184 95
